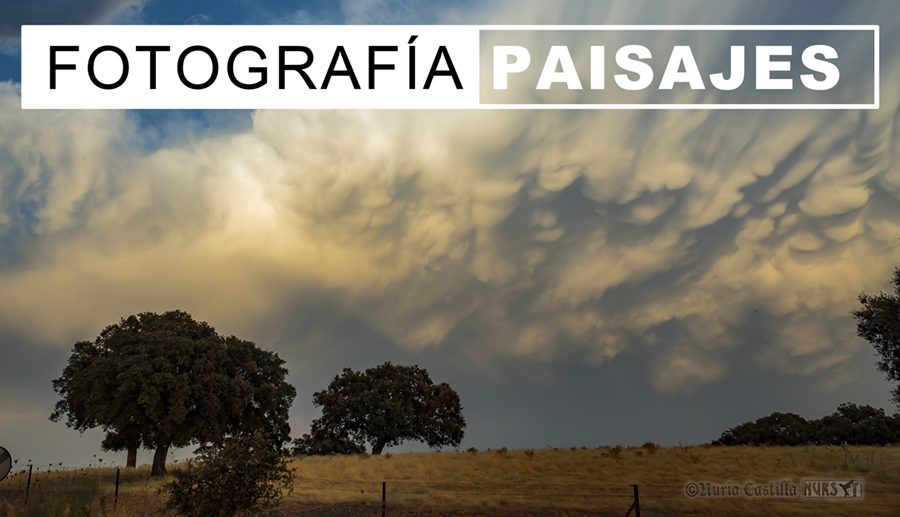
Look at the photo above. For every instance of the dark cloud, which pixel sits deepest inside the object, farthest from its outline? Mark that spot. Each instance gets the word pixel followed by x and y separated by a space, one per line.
pixel 15 13
pixel 404 12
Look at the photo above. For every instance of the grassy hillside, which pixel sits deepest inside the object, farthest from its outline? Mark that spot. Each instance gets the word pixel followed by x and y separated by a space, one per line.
pixel 597 480
pixel 540 482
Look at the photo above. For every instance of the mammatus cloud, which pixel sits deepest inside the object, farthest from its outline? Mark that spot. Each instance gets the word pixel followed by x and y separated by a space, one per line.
pixel 533 235
pixel 513 234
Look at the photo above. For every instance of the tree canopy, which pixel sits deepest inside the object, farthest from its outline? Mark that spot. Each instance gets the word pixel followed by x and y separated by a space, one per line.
pixel 878 322
pixel 384 406
pixel 162 380
pixel 850 424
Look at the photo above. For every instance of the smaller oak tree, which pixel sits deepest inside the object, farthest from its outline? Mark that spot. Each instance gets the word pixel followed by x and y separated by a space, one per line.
pixel 384 406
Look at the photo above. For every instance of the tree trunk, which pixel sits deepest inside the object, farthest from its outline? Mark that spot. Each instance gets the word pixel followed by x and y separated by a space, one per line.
pixel 132 458
pixel 159 461
pixel 378 446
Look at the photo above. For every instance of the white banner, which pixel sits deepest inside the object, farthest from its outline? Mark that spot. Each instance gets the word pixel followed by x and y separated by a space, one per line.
pixel 449 67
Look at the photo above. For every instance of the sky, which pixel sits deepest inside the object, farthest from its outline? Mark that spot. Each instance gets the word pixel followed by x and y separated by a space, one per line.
pixel 579 277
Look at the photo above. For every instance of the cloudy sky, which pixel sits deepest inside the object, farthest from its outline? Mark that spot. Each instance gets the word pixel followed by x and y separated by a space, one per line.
pixel 580 277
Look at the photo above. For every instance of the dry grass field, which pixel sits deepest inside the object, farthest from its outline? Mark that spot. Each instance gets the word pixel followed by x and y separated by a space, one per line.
pixel 519 482
pixel 82 493
pixel 596 481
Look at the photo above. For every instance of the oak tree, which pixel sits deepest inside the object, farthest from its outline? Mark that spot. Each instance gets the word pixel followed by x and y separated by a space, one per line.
pixel 385 406
pixel 878 322
pixel 163 380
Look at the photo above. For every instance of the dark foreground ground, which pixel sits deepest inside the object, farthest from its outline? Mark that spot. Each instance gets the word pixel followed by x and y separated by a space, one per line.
pixel 355 510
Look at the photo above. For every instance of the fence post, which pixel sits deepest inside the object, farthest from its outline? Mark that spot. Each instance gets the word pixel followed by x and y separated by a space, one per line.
pixel 116 500
pixel 28 486
pixel 637 502
pixel 383 497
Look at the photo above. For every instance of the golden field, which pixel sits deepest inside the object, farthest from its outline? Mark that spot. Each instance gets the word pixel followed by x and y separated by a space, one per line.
pixel 522 482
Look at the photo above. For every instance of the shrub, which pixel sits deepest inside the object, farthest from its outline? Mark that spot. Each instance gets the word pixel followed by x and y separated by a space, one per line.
pixel 615 451
pixel 650 447
pixel 240 476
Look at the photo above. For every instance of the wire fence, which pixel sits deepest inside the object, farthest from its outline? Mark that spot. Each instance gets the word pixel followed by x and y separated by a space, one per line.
pixel 534 495
pixel 585 496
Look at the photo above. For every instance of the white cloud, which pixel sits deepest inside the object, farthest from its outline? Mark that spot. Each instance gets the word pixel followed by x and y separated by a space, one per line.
pixel 199 19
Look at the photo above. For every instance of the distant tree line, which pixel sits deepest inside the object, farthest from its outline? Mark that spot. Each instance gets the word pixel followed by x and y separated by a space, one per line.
pixel 850 424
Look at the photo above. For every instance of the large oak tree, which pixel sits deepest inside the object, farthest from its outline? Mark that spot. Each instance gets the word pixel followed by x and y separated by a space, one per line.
pixel 162 380
pixel 878 322
pixel 384 406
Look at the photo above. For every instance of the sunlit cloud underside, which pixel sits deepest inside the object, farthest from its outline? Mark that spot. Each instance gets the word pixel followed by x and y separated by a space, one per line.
pixel 534 235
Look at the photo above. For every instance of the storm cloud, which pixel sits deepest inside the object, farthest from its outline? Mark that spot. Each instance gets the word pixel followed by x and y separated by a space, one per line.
pixel 15 13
